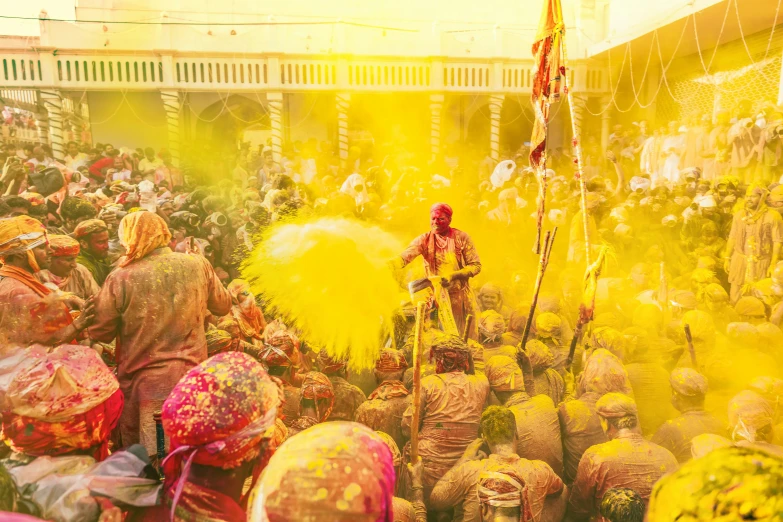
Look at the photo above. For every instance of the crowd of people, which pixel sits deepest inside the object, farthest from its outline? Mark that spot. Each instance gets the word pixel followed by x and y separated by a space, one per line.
pixel 141 379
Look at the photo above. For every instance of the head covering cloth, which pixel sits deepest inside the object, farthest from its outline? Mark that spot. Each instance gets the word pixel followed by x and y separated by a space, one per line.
pixel 539 355
pixel 217 415
pixel 141 233
pixel 749 413
pixel 505 489
pixel 604 373
pixel 21 234
pixel 504 374
pixel 63 246
pixel 491 325
pixel 89 226
pixel 317 386
pixel 451 354
pixel 688 382
pixel 328 364
pixel 332 471
pixel 67 400
pixel 616 406
pixel 391 361
pixel 441 208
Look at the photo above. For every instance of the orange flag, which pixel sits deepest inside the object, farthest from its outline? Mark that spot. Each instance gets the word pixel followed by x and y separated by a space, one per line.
pixel 547 75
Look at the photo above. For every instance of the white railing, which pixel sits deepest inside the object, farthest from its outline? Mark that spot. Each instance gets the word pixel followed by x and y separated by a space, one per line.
pixel 47 69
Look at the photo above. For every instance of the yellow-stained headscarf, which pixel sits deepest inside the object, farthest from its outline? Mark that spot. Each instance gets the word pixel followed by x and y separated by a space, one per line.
pixel 21 234
pixel 141 233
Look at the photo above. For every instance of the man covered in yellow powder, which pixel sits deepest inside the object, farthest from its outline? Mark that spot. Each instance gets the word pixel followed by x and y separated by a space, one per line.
pixel 449 253
pixel 538 428
pixel 154 304
pixel 579 422
pixel 384 407
pixel 689 388
pixel 64 273
pixel 451 404
pixel 460 487
pixel 754 242
pixel 626 461
pixel 347 397
pixel 29 311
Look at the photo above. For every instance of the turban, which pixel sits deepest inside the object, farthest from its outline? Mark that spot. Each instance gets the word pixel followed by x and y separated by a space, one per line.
pixel 67 400
pixel 750 306
pixel 391 361
pixel 87 227
pixel 491 325
pixel 518 319
pixel 451 354
pixel 684 299
pixel 328 364
pixel 237 287
pixel 744 334
pixel 615 406
pixel 749 413
pixel 504 488
pixel 438 208
pixel 218 341
pixel 770 388
pixel 770 334
pixel 548 325
pixel 688 382
pixel 707 202
pixel 540 355
pixel 706 443
pixel 332 471
pixel 732 483
pixel 549 303
pixel 21 234
pixel 315 386
pixel 141 233
pixel 392 445
pixel 217 415
pixel 63 246
pixel 279 349
pixel 716 293
pixel 609 339
pixel 504 374
pixel 701 325
pixel 604 373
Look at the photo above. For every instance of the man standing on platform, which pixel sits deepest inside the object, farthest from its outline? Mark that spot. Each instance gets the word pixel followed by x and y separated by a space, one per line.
pixel 449 253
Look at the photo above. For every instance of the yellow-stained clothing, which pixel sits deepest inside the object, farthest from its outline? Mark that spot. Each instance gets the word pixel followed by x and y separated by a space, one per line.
pixel 458 487
pixel 347 399
pixel 676 434
pixel 580 429
pixel 628 461
pixel 538 429
pixel 451 407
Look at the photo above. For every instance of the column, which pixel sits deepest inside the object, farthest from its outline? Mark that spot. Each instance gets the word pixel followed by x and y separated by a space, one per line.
pixel 42 123
pixel 780 85
pixel 606 121
pixel 343 104
pixel 53 104
pixel 436 108
pixel 172 105
pixel 274 102
pixel 495 105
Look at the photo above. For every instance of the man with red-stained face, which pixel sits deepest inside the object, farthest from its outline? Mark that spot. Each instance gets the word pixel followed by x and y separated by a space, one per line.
pixel 449 253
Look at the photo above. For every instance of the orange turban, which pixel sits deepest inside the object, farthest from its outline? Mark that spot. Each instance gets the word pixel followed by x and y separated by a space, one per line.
pixel 63 246
pixel 316 385
pixel 391 361
pixel 89 226
pixel 21 234
pixel 141 233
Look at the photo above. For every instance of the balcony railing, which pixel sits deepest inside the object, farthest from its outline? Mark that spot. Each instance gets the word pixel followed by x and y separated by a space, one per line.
pixel 84 71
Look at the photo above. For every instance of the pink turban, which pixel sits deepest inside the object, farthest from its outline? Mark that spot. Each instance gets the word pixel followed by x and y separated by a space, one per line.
pixel 441 207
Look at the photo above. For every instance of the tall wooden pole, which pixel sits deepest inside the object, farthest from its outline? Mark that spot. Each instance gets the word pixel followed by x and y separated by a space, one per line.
pixel 417 382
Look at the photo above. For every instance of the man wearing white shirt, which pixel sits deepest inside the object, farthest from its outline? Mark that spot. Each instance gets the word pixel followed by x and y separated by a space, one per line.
pixel 149 162
pixel 75 159
pixel 39 158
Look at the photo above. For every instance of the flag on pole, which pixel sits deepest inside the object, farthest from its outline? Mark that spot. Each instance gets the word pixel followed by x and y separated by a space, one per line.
pixel 547 75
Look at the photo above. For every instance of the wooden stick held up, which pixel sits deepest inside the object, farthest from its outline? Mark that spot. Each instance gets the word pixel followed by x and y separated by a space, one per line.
pixel 543 262
pixel 416 419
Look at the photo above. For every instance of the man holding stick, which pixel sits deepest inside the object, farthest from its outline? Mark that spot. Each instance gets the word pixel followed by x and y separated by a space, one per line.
pixel 448 253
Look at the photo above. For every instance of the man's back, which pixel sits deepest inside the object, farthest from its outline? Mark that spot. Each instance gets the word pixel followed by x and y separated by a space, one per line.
pixel 156 307
pixel 652 390
pixel 676 434
pixel 347 398
pixel 628 461
pixel 538 429
pixel 460 487
pixel 580 428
